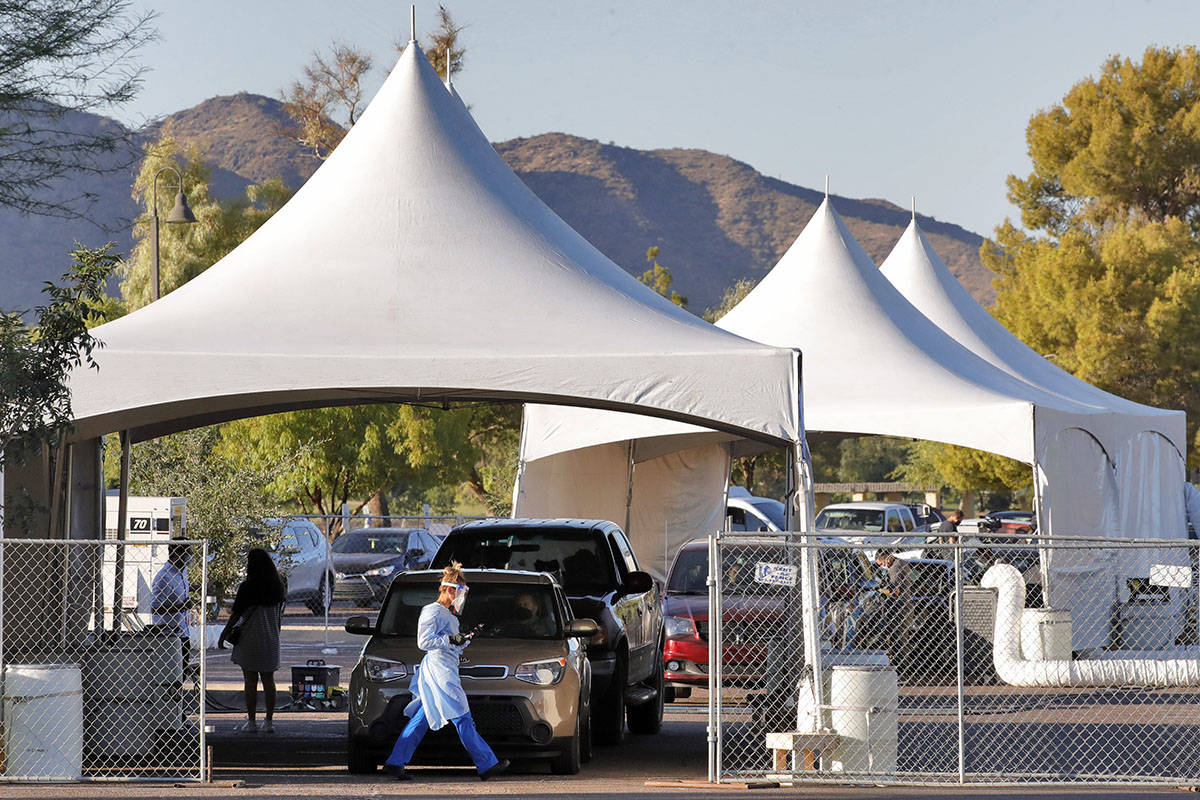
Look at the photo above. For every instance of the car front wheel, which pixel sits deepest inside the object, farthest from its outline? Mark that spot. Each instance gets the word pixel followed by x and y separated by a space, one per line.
pixel 609 719
pixel 322 599
pixel 647 717
pixel 359 760
pixel 567 762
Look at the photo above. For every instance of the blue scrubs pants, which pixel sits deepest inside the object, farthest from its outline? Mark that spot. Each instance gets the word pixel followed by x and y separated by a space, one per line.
pixel 418 726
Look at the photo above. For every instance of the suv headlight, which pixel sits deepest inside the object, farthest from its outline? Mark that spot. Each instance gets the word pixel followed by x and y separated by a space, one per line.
pixel 680 626
pixel 384 669
pixel 381 572
pixel 543 673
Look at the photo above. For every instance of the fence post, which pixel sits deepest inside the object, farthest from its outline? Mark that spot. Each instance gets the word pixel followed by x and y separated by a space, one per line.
pixel 958 656
pixel 201 679
pixel 712 658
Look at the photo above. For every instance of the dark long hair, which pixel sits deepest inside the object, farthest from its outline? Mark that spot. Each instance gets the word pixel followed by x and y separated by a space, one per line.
pixel 263 586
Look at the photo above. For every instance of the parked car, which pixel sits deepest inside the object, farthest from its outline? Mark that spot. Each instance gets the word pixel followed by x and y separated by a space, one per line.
pixel 602 580
pixel 927 516
pixel 874 525
pixel 366 560
pixel 752 611
pixel 745 512
pixel 528 682
pixel 303 558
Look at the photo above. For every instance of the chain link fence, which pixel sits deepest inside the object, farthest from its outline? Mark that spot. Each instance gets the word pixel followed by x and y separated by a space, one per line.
pixel 95 684
pixel 990 660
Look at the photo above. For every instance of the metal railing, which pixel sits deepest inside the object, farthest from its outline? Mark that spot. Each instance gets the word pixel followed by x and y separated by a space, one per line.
pixel 95 685
pixel 949 666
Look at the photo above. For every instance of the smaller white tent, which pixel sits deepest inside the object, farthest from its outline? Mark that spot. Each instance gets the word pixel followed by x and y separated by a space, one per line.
pixel 1143 446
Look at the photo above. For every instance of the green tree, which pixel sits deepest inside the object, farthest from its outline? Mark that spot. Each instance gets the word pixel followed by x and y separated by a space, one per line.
pixel 659 279
pixel 328 100
pixel 870 458
pixel 1105 279
pixel 187 250
pixel 58 57
pixel 227 499
pixel 731 297
pixel 35 362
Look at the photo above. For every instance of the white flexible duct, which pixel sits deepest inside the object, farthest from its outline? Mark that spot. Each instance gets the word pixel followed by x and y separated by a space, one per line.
pixel 1016 671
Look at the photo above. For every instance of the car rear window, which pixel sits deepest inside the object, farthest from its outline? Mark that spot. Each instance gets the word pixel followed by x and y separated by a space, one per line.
pixel 850 519
pixel 578 559
pixel 387 543
pixel 498 610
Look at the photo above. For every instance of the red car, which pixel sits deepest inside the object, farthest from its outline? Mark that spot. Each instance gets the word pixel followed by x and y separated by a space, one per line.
pixel 752 611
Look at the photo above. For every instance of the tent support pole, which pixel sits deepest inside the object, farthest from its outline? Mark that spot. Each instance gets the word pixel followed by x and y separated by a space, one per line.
pixel 800 519
pixel 628 485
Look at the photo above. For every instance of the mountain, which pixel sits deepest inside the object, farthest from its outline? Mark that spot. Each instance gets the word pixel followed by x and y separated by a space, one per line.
pixel 714 219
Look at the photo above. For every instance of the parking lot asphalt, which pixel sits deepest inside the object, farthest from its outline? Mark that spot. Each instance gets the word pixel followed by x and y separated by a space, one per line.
pixel 306 757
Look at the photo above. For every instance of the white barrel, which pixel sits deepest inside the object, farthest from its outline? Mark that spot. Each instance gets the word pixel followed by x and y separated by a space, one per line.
pixel 1148 626
pixel 43 721
pixel 1046 634
pixel 863 712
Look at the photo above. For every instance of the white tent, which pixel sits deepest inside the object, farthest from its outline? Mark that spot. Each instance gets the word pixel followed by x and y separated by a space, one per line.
pixel 415 266
pixel 872 364
pixel 1143 446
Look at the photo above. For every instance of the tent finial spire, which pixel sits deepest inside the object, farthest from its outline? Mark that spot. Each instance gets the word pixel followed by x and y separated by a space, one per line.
pixel 447 66
pixel 826 187
pixel 914 208
pixel 412 22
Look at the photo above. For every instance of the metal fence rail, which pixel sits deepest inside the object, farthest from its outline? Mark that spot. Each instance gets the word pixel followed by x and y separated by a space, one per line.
pixel 945 668
pixel 92 688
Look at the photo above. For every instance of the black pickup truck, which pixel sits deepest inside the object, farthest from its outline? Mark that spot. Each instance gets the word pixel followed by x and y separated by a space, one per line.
pixel 600 575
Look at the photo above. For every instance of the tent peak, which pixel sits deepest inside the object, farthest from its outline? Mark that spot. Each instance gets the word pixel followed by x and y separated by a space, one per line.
pixel 412 23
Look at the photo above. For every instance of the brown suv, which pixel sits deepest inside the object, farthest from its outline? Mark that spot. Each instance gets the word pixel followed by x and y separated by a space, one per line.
pixel 527 677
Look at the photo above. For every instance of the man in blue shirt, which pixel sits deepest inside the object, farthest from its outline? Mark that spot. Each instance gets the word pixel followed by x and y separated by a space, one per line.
pixel 169 595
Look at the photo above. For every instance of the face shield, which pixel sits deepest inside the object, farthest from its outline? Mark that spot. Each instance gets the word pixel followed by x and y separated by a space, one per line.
pixel 460 596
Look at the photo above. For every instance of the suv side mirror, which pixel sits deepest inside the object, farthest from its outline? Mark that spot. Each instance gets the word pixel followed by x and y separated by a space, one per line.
pixel 416 553
pixel 638 582
pixel 582 628
pixel 360 625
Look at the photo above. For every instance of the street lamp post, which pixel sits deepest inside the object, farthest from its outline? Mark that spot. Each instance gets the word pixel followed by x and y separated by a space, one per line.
pixel 180 214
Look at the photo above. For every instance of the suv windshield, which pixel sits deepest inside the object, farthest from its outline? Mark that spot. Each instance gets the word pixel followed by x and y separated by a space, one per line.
pixel 498 610
pixel 384 543
pixel 578 559
pixel 850 519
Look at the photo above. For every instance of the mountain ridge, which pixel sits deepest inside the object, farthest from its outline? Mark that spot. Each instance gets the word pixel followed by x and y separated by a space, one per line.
pixel 714 218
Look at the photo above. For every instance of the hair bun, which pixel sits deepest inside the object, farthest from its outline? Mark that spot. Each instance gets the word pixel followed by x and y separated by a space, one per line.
pixel 452 573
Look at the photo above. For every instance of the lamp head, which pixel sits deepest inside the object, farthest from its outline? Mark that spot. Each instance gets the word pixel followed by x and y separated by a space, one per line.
pixel 181 213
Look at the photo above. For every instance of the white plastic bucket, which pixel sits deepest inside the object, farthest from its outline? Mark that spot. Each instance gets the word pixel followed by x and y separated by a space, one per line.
pixel 43 721
pixel 1046 634
pixel 1148 626
pixel 863 711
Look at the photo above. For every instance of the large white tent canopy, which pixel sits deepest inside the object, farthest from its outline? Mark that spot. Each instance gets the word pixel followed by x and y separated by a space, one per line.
pixel 873 364
pixel 415 266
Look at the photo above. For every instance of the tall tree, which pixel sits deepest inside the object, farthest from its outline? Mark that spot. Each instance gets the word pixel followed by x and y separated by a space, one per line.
pixel 59 57
pixel 1105 278
pixel 35 361
pixel 329 99
pixel 659 279
pixel 187 250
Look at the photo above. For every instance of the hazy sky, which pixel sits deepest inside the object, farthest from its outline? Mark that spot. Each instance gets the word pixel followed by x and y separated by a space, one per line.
pixel 890 99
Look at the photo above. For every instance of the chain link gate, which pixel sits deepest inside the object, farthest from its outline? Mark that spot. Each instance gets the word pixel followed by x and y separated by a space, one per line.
pixel 92 688
pixel 945 669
